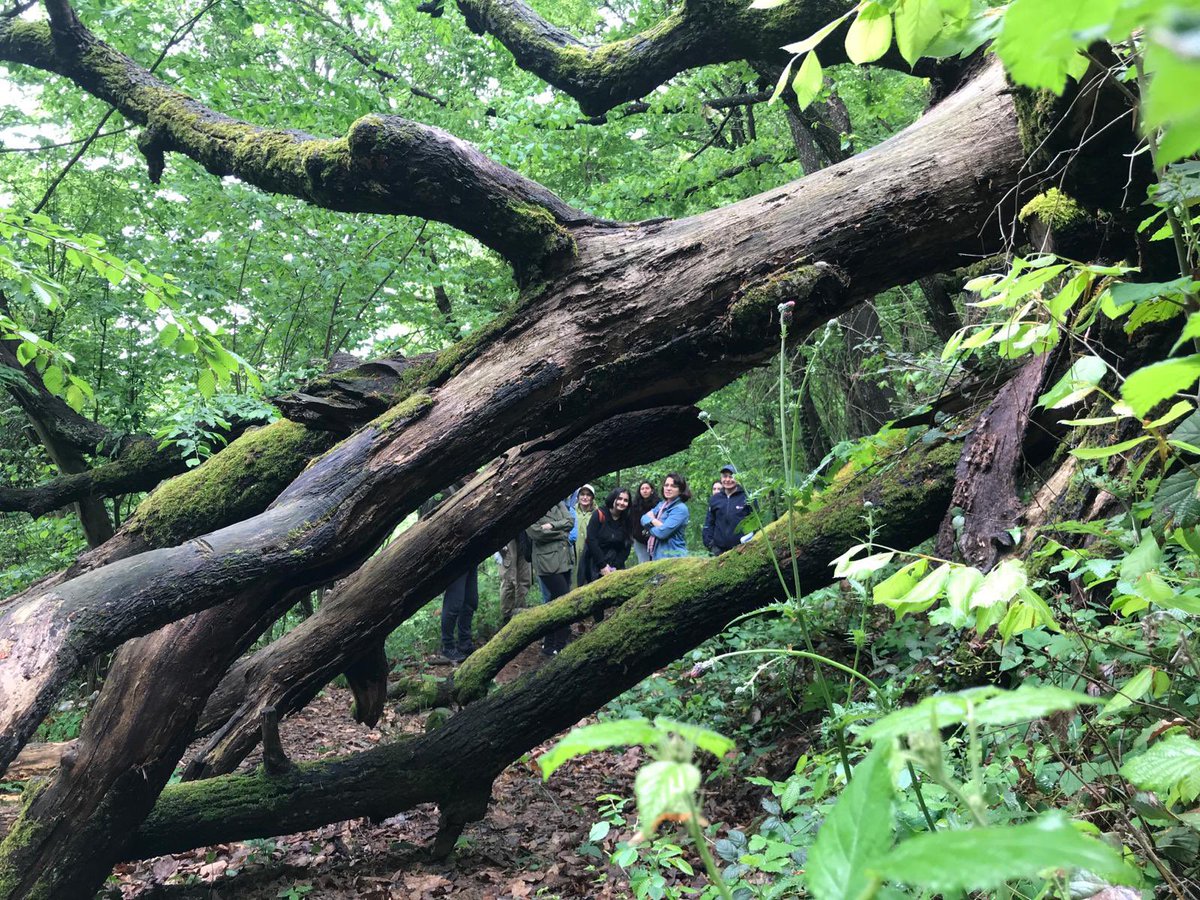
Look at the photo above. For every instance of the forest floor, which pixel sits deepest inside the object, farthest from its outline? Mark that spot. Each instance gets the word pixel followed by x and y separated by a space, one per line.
pixel 534 841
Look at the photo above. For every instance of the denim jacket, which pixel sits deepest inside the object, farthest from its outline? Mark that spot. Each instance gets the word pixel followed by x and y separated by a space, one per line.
pixel 670 538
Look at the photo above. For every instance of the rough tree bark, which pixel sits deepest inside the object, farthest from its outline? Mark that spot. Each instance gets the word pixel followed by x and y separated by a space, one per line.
pixel 688 600
pixel 935 183
pixel 906 209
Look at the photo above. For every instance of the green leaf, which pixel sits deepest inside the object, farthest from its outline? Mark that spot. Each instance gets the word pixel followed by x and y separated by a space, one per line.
pixel 1170 768
pixel 53 379
pixel 980 859
pixel 986 705
pixel 1080 380
pixel 665 790
pixel 206 383
pixel 1112 450
pixel 855 834
pixel 1181 408
pixel 1000 585
pixel 1145 557
pixel 1150 385
pixel 716 744
pixel 918 22
pixel 169 334
pixel 898 584
pixel 1134 689
pixel 599 832
pixel 25 352
pixel 807 83
pixel 870 34
pixel 811 42
pixel 1178 496
pixel 600 736
pixel 856 569
pixel 74 397
pixel 1040 41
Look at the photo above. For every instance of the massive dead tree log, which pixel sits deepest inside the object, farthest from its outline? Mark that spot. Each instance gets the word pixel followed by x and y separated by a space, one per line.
pixel 664 609
pixel 934 184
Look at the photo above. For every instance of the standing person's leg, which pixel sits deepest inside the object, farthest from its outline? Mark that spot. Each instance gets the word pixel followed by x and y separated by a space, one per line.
pixel 641 551
pixel 510 591
pixel 470 603
pixel 558 584
pixel 524 581
pixel 452 604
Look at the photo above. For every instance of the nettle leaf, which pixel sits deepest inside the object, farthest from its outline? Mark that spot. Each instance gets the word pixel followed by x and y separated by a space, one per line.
pixel 1178 496
pixel 807 83
pixel 1040 42
pixel 870 34
pixel 980 859
pixel 1000 585
pixel 918 22
pixel 665 789
pixel 856 833
pixel 1150 385
pixel 600 736
pixel 1170 768
pixel 1080 380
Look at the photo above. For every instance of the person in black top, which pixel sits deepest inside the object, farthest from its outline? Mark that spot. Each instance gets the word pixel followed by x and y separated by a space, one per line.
pixel 609 537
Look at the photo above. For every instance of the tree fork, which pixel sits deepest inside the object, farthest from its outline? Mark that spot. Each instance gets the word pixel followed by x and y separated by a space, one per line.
pixel 690 600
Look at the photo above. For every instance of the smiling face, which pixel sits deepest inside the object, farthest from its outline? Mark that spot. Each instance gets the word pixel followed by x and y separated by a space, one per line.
pixel 621 502
pixel 585 499
pixel 728 482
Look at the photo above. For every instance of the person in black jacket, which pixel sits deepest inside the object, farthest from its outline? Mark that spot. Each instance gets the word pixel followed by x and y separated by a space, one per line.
pixel 726 510
pixel 609 537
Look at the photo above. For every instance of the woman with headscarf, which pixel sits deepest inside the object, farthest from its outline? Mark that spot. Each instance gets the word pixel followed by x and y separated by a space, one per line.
pixel 583 510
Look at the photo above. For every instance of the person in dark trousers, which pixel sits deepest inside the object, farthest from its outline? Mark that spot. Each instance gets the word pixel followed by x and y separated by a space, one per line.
pixel 726 509
pixel 644 501
pixel 552 563
pixel 461 598
pixel 609 537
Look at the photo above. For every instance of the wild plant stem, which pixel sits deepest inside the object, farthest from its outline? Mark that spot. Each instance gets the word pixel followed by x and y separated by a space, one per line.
pixel 710 864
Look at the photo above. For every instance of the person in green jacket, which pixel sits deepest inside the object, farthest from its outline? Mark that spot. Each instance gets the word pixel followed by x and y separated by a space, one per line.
pixel 585 508
pixel 552 564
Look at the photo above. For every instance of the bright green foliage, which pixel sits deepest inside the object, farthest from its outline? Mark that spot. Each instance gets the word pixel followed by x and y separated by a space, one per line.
pixel 855 835
pixel 986 858
pixel 1170 768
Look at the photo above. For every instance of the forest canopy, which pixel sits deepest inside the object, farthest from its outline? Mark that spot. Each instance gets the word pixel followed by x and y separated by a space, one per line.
pixel 922 274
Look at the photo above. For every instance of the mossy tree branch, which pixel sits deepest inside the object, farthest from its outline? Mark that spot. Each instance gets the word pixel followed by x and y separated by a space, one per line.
pixel 684 603
pixel 383 164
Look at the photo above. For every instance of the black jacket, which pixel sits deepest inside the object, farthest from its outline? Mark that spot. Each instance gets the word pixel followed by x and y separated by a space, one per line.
pixel 725 513
pixel 608 544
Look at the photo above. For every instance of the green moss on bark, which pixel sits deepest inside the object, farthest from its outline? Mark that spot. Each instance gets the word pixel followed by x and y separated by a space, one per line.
pixel 1055 209
pixel 234 484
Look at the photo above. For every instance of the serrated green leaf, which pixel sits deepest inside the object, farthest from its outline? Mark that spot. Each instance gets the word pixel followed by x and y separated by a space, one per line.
pixel 206 383
pixel 1170 767
pixel 1081 379
pixel 1040 41
pixel 53 379
pixel 855 834
pixel 870 34
pixel 1150 385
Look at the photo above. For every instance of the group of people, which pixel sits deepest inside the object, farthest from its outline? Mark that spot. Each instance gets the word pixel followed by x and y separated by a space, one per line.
pixel 579 541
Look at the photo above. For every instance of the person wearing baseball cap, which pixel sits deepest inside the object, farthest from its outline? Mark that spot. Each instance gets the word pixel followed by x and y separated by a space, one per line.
pixel 726 509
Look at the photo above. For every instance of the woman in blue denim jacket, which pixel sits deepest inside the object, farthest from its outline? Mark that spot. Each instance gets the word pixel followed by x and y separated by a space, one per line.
pixel 667 522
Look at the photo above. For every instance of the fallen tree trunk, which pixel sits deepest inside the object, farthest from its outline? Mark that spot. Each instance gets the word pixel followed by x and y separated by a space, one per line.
pixel 668 608
pixel 935 184
pixel 137 748
pixel 388 589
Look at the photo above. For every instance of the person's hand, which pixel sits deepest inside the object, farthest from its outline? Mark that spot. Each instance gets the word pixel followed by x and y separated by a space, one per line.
pixel 546 526
pixel 608 570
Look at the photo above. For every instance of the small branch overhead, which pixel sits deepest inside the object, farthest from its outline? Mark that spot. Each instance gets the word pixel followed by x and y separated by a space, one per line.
pixel 383 164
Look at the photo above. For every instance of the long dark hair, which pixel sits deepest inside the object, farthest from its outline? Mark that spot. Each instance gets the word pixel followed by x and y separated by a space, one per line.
pixel 685 493
pixel 640 507
pixel 625 520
